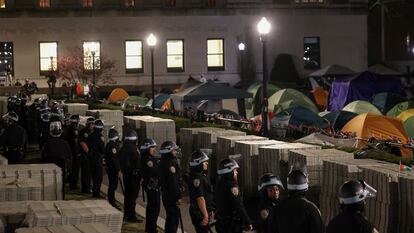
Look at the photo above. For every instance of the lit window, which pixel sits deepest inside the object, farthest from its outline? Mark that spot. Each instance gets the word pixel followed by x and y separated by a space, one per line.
pixel 48 56
pixel 44 3
pixel 6 57
pixel 129 3
pixel 87 3
pixel 91 55
pixel 215 54
pixel 2 3
pixel 175 55
pixel 133 56
pixel 311 53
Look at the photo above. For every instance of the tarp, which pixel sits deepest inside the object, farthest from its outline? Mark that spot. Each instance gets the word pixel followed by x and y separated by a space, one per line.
pixel 332 70
pixel 321 98
pixel 160 99
pixel 384 101
pixel 118 94
pixel 360 87
pixel 379 127
pixel 142 101
pixel 407 117
pixel 338 119
pixel 299 116
pixel 189 83
pixel 289 98
pixel 383 70
pixel 360 107
pixel 324 140
pixel 399 108
pixel 257 102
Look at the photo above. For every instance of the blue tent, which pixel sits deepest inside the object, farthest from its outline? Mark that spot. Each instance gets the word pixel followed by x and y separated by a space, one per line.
pixel 338 119
pixel 384 101
pixel 160 99
pixel 299 116
pixel 362 86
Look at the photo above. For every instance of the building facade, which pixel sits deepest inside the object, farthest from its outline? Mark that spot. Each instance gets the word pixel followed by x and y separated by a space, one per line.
pixel 194 37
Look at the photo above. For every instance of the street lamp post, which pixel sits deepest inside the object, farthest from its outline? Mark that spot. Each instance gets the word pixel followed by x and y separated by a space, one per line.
pixel 242 106
pixel 264 27
pixel 52 76
pixel 152 41
pixel 93 76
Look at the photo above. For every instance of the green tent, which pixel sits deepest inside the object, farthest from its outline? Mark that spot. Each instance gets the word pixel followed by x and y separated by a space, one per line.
pixel 253 88
pixel 407 118
pixel 257 102
pixel 142 101
pixel 324 113
pixel 360 107
pixel 289 98
pixel 399 108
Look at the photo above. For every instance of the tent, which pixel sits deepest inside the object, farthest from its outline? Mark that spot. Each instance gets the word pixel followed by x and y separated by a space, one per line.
pixel 325 140
pixel 360 87
pixel 136 100
pixel 399 108
pixel 249 102
pixel 384 101
pixel 338 119
pixel 407 117
pixel 331 71
pixel 288 98
pixel 383 70
pixel 189 83
pixel 360 107
pixel 117 94
pixel 298 116
pixel 321 98
pixel 257 101
pixel 160 99
pixel 381 127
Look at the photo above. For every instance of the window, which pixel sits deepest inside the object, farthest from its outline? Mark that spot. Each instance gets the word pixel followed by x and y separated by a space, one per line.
pixel 91 55
pixel 2 4
pixel 309 1
pixel 129 3
pixel 44 3
pixel 133 56
pixel 175 55
pixel 6 57
pixel 87 3
pixel 48 56
pixel 215 54
pixel 312 53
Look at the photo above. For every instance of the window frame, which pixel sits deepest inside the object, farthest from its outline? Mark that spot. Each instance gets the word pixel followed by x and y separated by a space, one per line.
pixel 12 57
pixel 87 6
pixel 5 4
pixel 174 69
pixel 83 55
pixel 127 5
pixel 44 72
pixel 216 68
pixel 134 70
pixel 319 45
pixel 45 7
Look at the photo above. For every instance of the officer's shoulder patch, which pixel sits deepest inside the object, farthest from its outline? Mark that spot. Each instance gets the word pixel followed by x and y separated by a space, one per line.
pixel 85 135
pixel 196 183
pixel 264 213
pixel 150 164
pixel 102 139
pixel 235 191
pixel 113 150
pixel 172 169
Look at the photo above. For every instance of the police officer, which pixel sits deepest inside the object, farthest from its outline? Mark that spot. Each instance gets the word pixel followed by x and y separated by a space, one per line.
pixel 351 199
pixel 85 158
pixel 269 190
pixel 66 124
pixel 56 150
pixel 150 184
pixel 15 139
pixel 96 154
pixel 230 212
pixel 72 135
pixel 112 164
pixel 44 127
pixel 129 160
pixel 171 185
pixel 297 214
pixel 201 192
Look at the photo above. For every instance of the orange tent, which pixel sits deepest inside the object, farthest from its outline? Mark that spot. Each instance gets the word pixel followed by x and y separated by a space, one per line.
pixel 380 127
pixel 118 94
pixel 321 98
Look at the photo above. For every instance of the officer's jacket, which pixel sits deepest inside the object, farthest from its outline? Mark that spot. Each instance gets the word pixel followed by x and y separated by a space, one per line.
pixel 229 202
pixel 150 168
pixel 112 157
pixel 200 186
pixel 170 179
pixel 71 137
pixel 350 221
pixel 83 137
pixel 265 209
pixel 96 143
pixel 129 159
pixel 57 151
pixel 296 215
pixel 14 136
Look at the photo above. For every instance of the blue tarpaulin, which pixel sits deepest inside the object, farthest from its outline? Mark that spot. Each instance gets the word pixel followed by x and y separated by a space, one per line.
pixel 362 86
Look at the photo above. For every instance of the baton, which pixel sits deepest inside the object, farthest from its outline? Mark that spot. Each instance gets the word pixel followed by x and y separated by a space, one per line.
pixel 143 192
pixel 181 220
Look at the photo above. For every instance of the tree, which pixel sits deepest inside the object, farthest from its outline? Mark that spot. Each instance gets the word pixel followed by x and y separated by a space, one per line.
pixel 74 67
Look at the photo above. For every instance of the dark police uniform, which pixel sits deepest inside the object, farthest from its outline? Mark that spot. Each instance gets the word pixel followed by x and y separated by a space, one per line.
pixel 44 133
pixel 296 215
pixel 350 221
pixel 130 164
pixel 266 207
pixel 200 186
pixel 151 185
pixel 85 160
pixel 56 150
pixel 171 185
pixel 96 154
pixel 72 138
pixel 230 212
pixel 15 140
pixel 112 169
